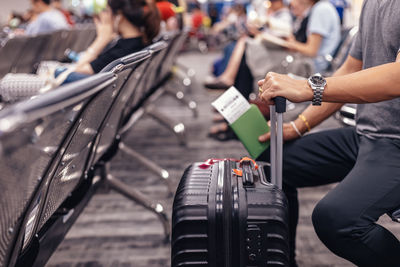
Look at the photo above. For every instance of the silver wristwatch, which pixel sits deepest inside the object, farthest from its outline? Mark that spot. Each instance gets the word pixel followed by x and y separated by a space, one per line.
pixel 317 84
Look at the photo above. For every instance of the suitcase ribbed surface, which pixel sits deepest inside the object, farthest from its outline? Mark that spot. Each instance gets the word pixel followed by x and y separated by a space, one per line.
pixel 189 218
pixel 260 240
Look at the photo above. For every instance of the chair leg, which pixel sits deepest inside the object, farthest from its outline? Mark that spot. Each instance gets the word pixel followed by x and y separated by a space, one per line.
pixel 139 198
pixel 185 76
pixel 177 128
pixel 132 120
pixel 153 167
pixel 188 71
pixel 181 97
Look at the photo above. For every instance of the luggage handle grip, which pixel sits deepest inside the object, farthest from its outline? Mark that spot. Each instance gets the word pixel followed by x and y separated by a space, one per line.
pixel 280 104
pixel 248 179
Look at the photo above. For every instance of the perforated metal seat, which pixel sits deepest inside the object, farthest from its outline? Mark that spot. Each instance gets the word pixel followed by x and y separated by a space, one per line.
pixel 34 136
pixel 9 52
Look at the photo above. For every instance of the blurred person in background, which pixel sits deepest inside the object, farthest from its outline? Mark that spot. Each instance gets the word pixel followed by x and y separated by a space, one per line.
pixel 341 6
pixel 167 14
pixel 237 72
pixel 14 20
pixel 196 17
pixel 232 22
pixel 320 37
pixel 316 33
pixel 125 27
pixel 323 31
pixel 57 4
pixel 48 19
pixel 213 14
pixel 278 16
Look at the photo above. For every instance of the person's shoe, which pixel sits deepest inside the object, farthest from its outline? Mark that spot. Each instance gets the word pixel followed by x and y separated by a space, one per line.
pixel 217 85
pixel 222 132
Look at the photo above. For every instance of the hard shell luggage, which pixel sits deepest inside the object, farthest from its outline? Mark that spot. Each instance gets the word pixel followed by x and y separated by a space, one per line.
pixel 227 214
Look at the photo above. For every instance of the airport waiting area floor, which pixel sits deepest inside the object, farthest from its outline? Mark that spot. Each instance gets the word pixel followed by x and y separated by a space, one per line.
pixel 113 231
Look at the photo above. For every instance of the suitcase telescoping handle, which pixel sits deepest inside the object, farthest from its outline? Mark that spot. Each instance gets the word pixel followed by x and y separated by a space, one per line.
pixel 276 143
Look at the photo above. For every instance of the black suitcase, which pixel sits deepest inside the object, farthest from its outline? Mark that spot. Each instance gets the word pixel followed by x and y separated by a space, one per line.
pixel 227 214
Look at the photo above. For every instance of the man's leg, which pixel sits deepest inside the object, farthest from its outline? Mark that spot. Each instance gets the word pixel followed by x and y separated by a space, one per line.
pixel 313 160
pixel 345 219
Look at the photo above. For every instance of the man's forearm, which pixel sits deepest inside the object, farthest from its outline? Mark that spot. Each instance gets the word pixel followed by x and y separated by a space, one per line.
pixel 367 86
pixel 317 114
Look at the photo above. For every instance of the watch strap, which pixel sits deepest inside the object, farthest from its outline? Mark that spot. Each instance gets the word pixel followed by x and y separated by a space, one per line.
pixel 317 98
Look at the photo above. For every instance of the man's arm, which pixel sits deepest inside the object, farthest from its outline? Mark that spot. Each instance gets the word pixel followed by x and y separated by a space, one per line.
pixel 367 86
pixel 317 114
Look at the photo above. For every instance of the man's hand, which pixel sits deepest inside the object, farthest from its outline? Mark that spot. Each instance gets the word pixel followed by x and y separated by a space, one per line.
pixel 276 84
pixel 288 134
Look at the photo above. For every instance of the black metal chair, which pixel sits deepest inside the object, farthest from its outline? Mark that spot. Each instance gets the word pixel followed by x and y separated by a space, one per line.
pixel 30 55
pixel 111 140
pixel 9 52
pixel 52 50
pixel 135 108
pixel 84 38
pixel 54 147
pixel 65 41
pixel 155 86
pixel 35 137
pixel 340 54
pixel 71 183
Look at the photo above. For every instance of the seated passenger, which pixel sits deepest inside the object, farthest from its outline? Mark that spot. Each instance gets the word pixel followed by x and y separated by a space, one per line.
pixel 48 19
pixel 125 27
pixel 323 31
pixel 322 38
pixel 167 14
pixel 365 160
pixel 57 4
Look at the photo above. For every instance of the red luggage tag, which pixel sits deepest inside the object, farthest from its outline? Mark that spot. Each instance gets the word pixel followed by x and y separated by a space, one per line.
pixel 208 163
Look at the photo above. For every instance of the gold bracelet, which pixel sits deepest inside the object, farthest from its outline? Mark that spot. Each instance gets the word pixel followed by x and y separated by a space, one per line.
pixel 304 119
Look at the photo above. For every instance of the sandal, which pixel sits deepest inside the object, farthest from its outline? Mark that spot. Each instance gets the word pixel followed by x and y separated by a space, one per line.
pixel 217 118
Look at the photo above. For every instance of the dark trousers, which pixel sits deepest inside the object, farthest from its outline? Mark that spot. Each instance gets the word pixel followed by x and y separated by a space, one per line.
pixel 345 219
pixel 244 80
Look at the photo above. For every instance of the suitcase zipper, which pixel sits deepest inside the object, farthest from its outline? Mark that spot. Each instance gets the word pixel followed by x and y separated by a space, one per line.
pixel 219 217
pixel 227 211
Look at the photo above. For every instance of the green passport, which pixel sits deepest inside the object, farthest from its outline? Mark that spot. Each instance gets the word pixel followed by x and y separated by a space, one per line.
pixel 248 127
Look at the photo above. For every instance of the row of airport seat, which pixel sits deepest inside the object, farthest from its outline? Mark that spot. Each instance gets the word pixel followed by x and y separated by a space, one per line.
pixel 22 54
pixel 55 150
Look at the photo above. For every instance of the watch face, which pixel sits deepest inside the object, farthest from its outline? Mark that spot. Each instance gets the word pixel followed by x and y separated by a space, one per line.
pixel 318 80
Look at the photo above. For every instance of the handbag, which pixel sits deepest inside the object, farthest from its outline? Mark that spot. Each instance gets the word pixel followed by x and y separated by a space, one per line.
pixel 15 87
